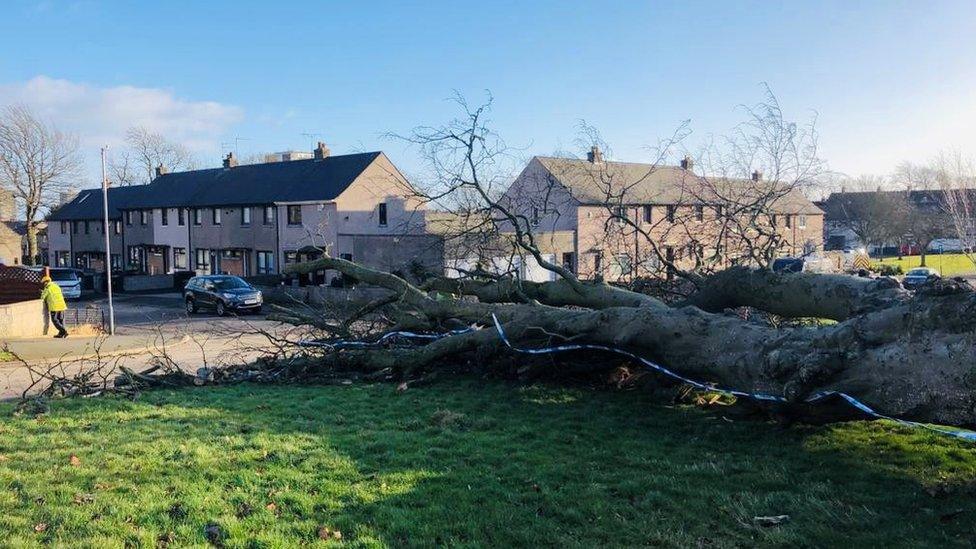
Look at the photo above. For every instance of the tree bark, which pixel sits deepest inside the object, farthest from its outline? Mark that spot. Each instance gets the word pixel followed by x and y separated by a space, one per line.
pixel 912 356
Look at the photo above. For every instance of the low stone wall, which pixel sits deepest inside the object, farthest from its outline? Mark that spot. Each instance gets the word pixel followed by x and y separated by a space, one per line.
pixel 145 283
pixel 23 319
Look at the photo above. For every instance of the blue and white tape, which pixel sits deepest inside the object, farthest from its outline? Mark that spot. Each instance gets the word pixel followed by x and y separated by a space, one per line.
pixel 342 343
pixel 966 435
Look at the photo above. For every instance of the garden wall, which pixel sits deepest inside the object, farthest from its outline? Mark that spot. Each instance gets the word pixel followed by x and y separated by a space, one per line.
pixel 23 319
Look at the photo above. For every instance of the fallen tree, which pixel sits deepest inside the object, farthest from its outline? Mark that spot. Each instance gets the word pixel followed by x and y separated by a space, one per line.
pixel 912 356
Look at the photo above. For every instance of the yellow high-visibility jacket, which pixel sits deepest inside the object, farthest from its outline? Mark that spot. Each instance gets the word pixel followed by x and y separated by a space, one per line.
pixel 51 294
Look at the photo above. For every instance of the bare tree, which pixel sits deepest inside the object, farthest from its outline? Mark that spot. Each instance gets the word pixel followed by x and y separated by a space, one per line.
pixel 146 151
pixel 956 176
pixel 37 162
pixel 926 217
pixel 874 215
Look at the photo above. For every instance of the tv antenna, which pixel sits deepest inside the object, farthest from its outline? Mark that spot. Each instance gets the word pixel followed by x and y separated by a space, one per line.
pixel 311 139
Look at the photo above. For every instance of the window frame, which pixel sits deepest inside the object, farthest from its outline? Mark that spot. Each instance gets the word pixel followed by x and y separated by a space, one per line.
pixel 215 216
pixel 177 253
pixel 294 208
pixel 269 262
pixel 245 216
pixel 383 214
pixel 197 217
pixel 269 213
pixel 181 217
pixel 164 216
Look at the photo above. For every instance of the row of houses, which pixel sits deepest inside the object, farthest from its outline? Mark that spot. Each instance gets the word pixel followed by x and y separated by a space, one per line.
pixel 255 219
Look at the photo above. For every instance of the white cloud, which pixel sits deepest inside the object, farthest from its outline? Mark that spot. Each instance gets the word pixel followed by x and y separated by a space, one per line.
pixel 101 115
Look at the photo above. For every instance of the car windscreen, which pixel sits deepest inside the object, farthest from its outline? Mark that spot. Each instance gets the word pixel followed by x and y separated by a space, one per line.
pixel 918 272
pixel 64 276
pixel 230 283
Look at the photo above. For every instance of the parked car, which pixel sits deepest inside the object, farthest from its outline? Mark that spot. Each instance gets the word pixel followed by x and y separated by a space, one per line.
pixel 222 293
pixel 68 279
pixel 919 276
pixel 788 265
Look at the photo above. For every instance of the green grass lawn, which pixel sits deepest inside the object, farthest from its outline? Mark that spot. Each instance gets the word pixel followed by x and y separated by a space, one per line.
pixel 466 463
pixel 949 264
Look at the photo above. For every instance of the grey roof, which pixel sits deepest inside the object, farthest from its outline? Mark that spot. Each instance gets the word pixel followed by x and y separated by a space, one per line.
pixel 291 181
pixel 636 183
pixel 88 204
pixel 258 184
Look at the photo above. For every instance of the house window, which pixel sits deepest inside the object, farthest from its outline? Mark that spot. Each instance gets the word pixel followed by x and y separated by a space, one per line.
pixel 535 216
pixel 622 265
pixel 265 262
pixel 180 217
pixel 86 227
pixel 179 258
pixel 789 221
pixel 802 222
pixel 216 216
pixel 197 217
pixel 772 220
pixel 117 259
pixel 164 216
pixel 128 217
pixel 347 257
pixel 75 226
pixel 569 261
pixel 64 227
pixel 291 257
pixel 620 213
pixel 671 210
pixel 294 215
pixel 699 213
pixel 382 209
pixel 117 226
pixel 718 211
pixel 245 216
pixel 269 215
pixel 203 260
pixel 598 264
pixel 648 213
pixel 63 259
pixel 143 217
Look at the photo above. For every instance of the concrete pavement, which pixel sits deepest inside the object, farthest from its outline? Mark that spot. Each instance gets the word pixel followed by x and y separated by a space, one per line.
pixel 49 348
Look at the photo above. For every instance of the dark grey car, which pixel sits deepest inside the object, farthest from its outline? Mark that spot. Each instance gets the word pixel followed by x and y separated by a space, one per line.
pixel 222 293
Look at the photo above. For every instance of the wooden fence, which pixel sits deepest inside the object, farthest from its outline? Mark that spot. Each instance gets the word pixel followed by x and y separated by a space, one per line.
pixel 19 284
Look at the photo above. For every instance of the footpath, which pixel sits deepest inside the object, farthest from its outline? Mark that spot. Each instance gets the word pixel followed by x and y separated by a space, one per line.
pixel 49 349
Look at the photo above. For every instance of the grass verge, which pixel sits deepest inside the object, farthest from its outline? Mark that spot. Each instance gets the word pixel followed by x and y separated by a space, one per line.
pixel 947 264
pixel 465 463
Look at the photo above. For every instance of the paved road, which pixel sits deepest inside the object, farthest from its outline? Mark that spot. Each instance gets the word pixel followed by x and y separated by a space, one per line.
pixel 153 326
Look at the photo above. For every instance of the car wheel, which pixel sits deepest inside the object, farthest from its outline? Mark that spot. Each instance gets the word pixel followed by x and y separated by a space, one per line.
pixel 221 309
pixel 191 306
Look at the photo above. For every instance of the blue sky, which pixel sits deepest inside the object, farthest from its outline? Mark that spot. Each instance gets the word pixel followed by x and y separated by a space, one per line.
pixel 889 81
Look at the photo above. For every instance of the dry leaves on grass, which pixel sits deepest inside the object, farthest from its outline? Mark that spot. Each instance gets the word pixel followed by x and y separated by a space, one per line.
pixel 327 533
pixel 74 460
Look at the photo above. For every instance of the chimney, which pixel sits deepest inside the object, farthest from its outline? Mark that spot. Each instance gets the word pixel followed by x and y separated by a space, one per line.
pixel 595 155
pixel 230 161
pixel 687 163
pixel 321 151
pixel 161 170
pixel 757 176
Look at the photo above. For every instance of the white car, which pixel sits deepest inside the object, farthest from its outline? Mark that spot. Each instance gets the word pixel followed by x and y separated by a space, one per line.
pixel 67 279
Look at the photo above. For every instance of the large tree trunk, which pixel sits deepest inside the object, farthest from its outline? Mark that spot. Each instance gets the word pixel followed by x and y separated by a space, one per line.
pixel 31 258
pixel 912 356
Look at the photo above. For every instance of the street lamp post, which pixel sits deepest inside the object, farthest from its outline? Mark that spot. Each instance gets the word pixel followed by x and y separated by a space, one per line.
pixel 108 248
